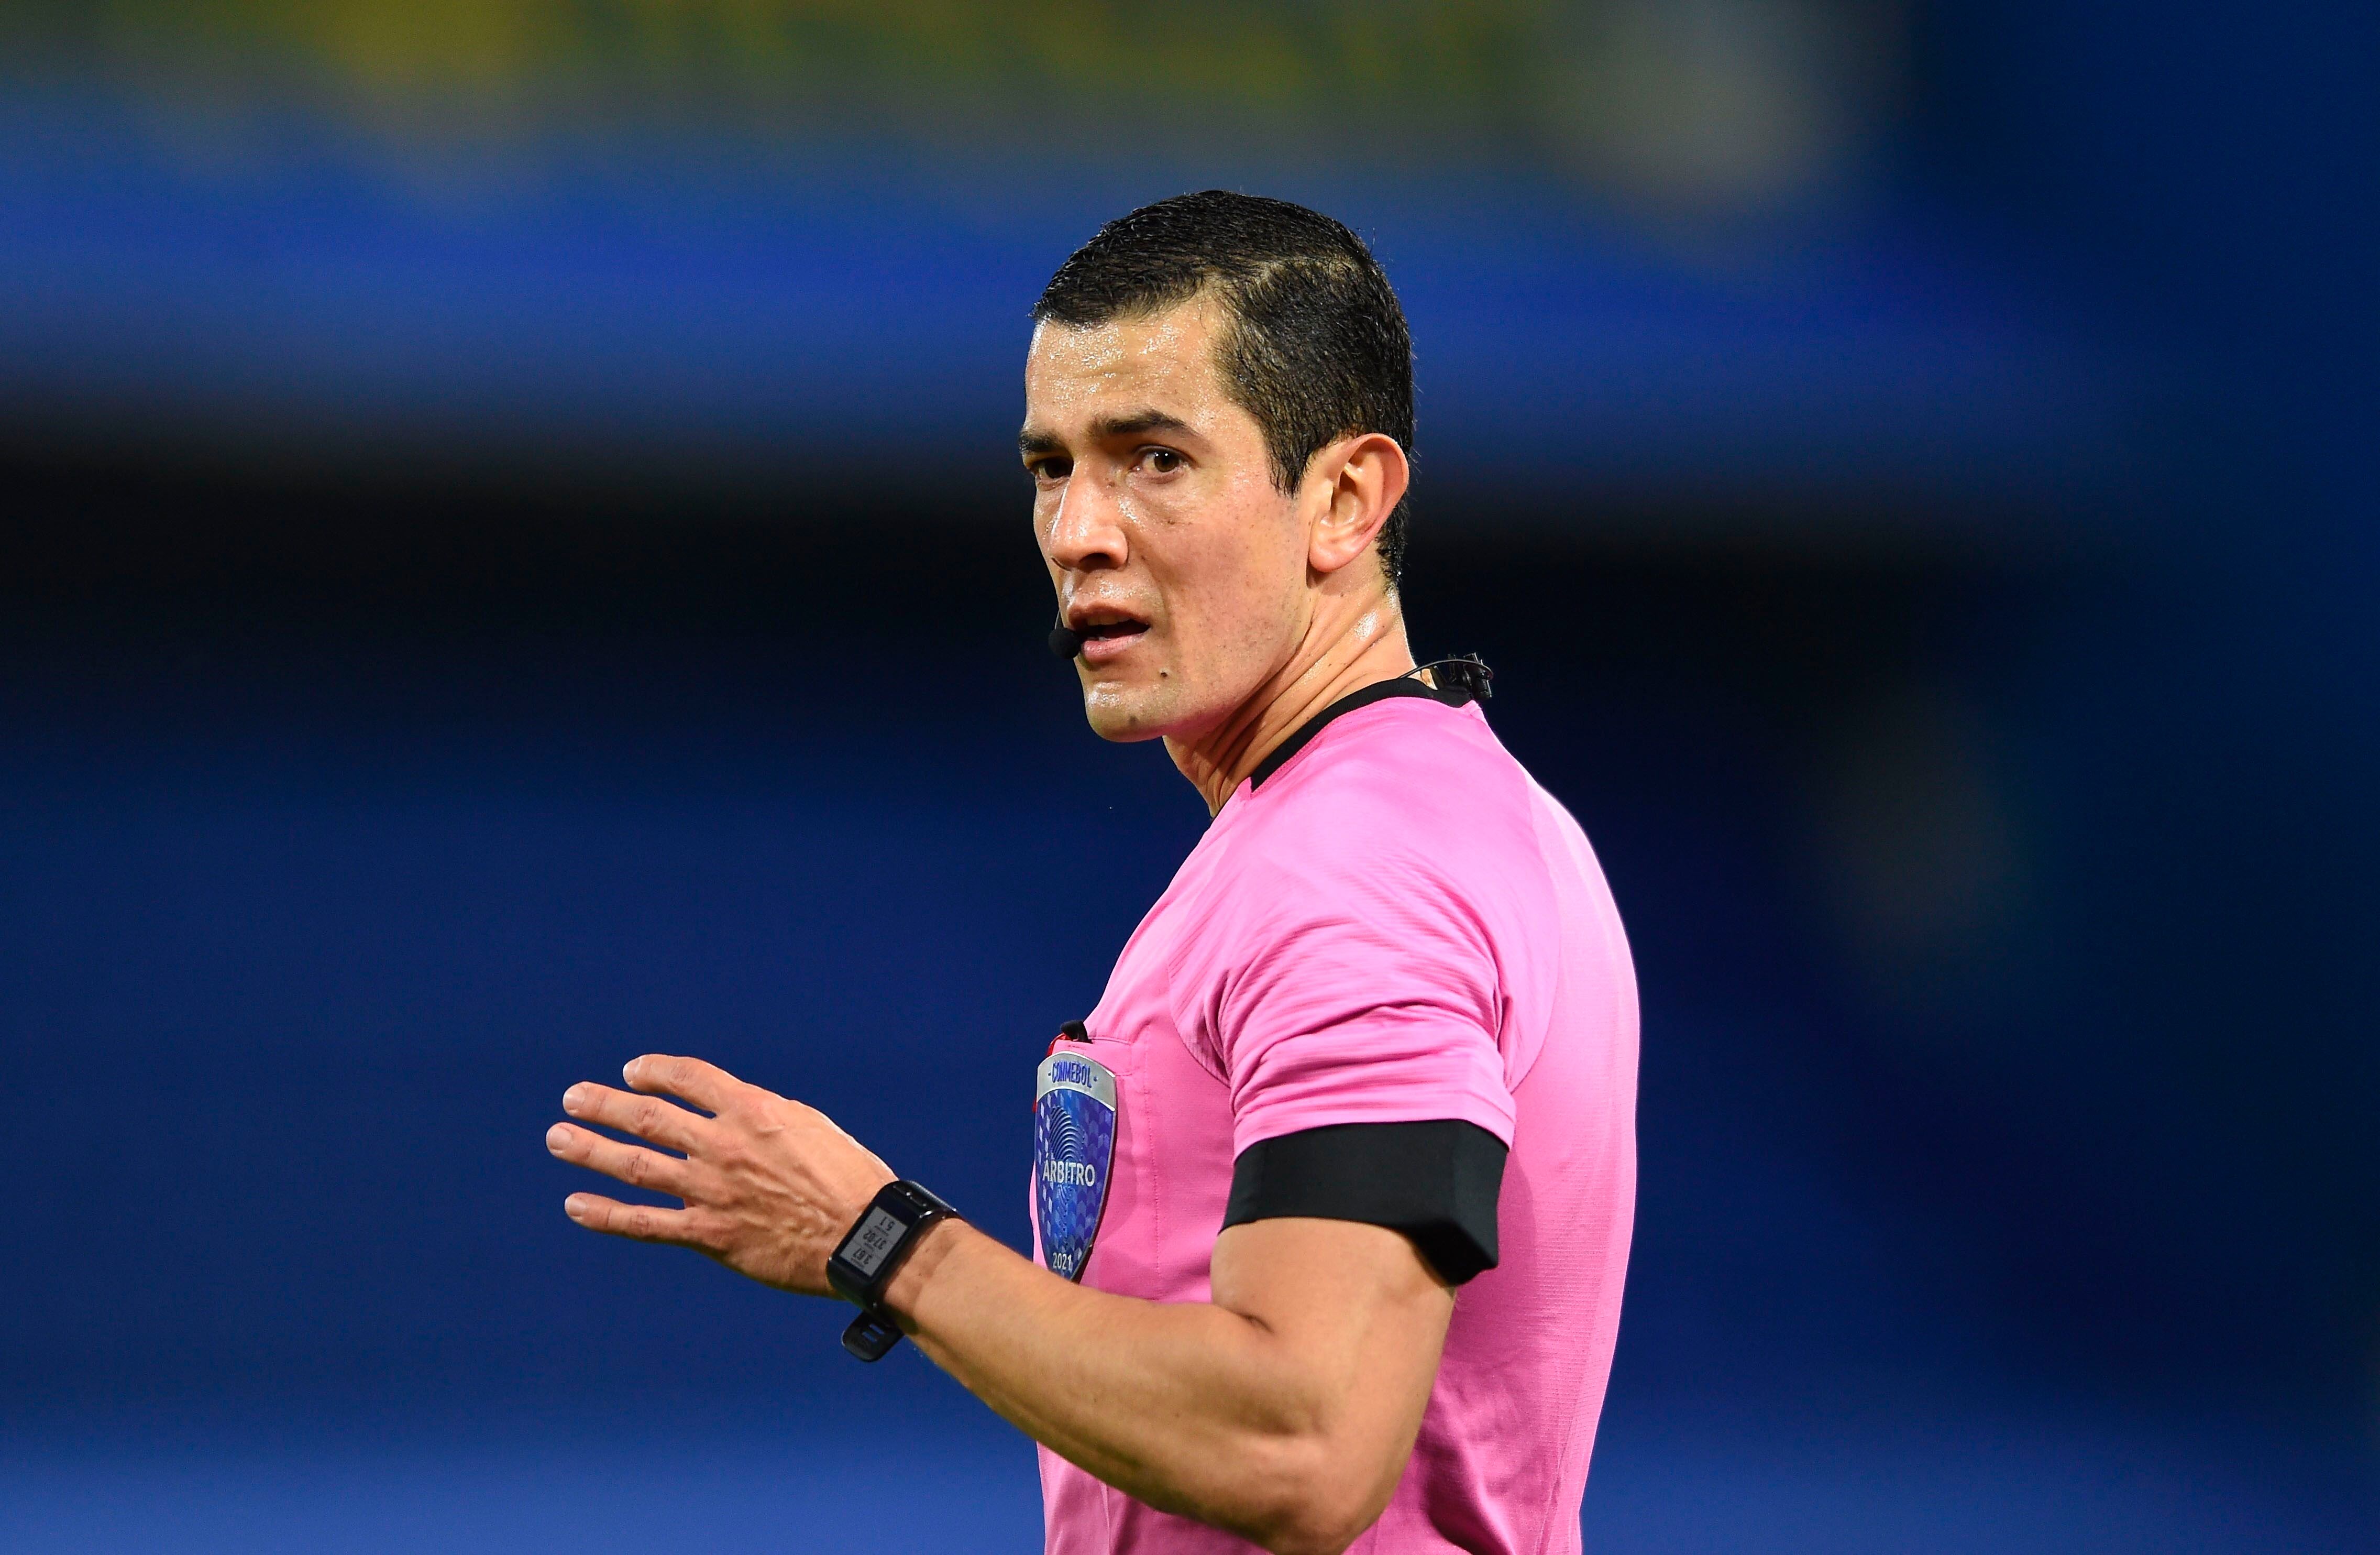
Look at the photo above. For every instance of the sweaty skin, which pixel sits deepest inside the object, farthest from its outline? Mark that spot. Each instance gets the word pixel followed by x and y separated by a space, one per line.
pixel 1155 506
pixel 1221 614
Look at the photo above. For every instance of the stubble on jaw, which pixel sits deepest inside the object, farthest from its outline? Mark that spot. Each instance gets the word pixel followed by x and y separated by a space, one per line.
pixel 1148 360
pixel 1128 714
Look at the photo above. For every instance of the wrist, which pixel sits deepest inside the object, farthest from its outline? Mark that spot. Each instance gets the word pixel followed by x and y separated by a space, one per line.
pixel 908 1285
pixel 888 1234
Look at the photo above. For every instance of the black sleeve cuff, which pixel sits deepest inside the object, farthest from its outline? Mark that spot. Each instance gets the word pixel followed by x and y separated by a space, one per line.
pixel 1435 1182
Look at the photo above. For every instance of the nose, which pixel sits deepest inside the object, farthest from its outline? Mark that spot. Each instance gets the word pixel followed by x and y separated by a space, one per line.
pixel 1086 529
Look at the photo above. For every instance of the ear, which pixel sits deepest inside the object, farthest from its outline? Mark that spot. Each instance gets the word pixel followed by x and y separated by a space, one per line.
pixel 1351 487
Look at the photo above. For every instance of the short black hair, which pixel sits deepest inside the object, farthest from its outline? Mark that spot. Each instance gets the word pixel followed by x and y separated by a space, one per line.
pixel 1317 347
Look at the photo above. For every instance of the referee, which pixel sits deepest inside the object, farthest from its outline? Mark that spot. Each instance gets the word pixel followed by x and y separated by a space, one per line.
pixel 1332 1191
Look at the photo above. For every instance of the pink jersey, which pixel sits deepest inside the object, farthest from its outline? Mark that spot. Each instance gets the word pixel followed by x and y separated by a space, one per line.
pixel 1396 925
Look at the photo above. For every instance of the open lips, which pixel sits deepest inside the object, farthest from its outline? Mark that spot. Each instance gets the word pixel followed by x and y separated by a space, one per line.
pixel 1107 633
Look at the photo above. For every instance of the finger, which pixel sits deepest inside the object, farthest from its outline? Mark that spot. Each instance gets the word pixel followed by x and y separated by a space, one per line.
pixel 648 1117
pixel 637 1222
pixel 633 1165
pixel 706 1084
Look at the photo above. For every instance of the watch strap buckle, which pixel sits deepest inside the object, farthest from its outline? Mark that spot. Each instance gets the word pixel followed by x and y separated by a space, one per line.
pixel 871 1335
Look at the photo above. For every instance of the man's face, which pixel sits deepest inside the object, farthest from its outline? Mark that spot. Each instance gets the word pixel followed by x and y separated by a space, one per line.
pixel 1172 550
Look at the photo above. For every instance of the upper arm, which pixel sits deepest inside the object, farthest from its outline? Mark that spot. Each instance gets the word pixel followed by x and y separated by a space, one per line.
pixel 1357 1318
pixel 1357 1005
pixel 1371 999
pixel 1357 1023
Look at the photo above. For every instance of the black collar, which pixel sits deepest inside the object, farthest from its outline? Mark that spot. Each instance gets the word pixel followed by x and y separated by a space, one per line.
pixel 1404 686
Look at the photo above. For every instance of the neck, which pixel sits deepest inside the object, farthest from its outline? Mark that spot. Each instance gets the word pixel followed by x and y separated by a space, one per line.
pixel 1341 655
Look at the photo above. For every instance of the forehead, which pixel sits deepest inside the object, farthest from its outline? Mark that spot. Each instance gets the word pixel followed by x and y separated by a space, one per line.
pixel 1158 361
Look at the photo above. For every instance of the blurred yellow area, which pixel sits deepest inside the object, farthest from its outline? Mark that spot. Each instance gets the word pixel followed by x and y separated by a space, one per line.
pixel 1229 53
pixel 1713 96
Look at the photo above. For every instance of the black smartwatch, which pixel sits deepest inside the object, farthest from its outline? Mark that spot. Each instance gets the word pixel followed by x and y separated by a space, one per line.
pixel 871 1253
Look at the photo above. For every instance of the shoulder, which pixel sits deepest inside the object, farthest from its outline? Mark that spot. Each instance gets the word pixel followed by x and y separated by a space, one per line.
pixel 1407 779
pixel 1404 831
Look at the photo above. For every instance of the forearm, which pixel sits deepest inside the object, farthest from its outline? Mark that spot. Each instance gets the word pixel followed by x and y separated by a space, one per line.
pixel 1186 1406
pixel 1283 1410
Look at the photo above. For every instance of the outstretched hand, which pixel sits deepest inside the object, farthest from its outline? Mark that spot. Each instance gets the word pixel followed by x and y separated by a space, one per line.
pixel 770 1185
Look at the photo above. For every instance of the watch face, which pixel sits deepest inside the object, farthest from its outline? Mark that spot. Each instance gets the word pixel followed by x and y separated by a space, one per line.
pixel 879 1234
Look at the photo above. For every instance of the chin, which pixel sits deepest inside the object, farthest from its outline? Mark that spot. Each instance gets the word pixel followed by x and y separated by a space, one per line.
pixel 1126 713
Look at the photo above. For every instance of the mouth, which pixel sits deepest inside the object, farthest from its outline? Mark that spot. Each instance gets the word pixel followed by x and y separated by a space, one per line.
pixel 1107 633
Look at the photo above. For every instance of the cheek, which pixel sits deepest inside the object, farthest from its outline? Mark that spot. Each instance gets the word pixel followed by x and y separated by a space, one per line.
pixel 1230 564
pixel 1269 558
pixel 1243 603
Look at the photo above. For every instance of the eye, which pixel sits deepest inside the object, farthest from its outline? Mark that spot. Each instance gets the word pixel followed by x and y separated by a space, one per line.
pixel 1161 461
pixel 1045 470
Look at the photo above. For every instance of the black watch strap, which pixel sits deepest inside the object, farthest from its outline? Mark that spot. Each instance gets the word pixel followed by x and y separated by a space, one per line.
pixel 871 1252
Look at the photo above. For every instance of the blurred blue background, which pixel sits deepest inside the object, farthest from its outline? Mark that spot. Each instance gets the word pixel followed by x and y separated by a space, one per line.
pixel 508 560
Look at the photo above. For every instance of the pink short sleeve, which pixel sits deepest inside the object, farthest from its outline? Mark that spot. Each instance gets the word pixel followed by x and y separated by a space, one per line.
pixel 1348 990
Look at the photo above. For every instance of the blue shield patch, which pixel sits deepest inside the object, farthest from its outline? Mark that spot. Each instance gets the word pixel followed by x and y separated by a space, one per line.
pixel 1073 1143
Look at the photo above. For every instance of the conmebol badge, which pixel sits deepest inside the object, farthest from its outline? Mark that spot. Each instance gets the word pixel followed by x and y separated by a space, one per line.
pixel 1073 1143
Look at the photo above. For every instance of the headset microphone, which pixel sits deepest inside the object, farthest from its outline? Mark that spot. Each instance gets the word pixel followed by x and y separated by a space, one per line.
pixel 1064 641
pixel 1464 679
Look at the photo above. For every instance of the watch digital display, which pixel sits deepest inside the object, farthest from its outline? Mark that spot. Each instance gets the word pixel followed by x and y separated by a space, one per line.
pixel 879 1231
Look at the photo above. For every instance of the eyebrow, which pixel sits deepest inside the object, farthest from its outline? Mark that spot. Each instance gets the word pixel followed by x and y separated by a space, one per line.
pixel 1030 442
pixel 1139 422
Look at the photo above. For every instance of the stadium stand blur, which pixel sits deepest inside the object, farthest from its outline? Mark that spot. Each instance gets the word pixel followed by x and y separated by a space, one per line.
pixel 508 560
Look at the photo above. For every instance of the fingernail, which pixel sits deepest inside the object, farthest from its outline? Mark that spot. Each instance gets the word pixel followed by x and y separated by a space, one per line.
pixel 557 1136
pixel 572 1098
pixel 572 1208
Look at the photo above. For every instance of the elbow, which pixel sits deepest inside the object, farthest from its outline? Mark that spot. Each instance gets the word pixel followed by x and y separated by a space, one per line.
pixel 1320 1502
pixel 1319 1539
pixel 1319 1530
